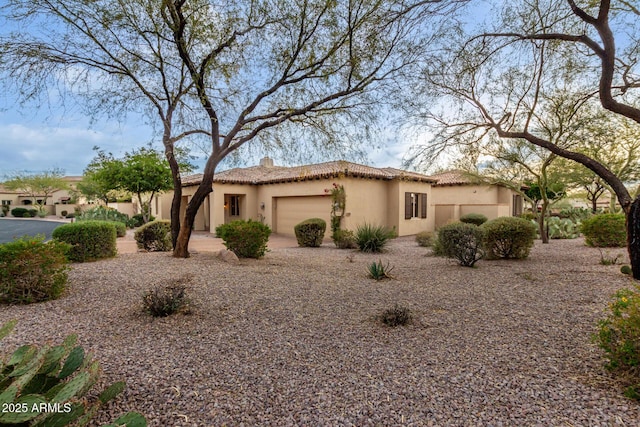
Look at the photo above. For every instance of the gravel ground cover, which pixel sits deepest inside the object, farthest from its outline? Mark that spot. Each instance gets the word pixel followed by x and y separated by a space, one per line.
pixel 293 339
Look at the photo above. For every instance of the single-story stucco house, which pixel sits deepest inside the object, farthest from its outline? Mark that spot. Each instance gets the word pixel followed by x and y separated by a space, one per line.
pixel 282 197
pixel 455 193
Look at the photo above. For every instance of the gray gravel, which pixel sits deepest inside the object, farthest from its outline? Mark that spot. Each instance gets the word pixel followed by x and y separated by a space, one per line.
pixel 293 339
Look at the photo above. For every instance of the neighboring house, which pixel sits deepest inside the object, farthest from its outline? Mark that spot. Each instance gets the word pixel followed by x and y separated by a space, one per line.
pixel 53 203
pixel 456 193
pixel 282 197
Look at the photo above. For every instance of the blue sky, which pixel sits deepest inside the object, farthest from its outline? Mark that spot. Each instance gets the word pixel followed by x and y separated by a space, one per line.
pixel 33 142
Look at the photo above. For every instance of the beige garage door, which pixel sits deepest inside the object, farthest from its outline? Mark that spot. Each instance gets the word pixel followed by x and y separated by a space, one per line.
pixel 292 210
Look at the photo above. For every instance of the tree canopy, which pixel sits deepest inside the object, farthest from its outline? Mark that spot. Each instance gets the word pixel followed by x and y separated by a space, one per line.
pixel 221 74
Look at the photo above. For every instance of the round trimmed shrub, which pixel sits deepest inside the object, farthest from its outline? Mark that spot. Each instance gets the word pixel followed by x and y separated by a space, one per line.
pixel 247 239
pixel 89 240
pixel 154 236
pixel 19 212
pixel 460 241
pixel 508 237
pixel 32 270
pixel 310 232
pixel 474 218
pixel 605 230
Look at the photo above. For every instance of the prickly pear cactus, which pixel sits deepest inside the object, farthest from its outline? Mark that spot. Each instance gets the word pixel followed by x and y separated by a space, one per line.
pixel 46 386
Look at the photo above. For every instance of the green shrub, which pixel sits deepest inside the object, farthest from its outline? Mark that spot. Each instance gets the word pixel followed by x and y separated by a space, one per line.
pixel 529 216
pixel 373 238
pixel 576 215
pixel 508 237
pixel 619 336
pixel 247 239
pixel 460 241
pixel 138 220
pixel 31 213
pixel 121 228
pixel 19 212
pixel 425 238
pixel 163 301
pixel 103 213
pixel 310 232
pixel 379 271
pixel 5 209
pixel 89 240
pixel 344 239
pixel 605 230
pixel 396 316
pixel 61 375
pixel 474 218
pixel 154 236
pixel 626 269
pixel 32 270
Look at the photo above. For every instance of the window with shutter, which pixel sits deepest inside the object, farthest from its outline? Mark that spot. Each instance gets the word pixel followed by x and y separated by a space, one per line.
pixel 423 205
pixel 407 206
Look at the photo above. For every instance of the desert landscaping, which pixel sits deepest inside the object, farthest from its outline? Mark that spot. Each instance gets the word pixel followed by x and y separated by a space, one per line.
pixel 295 338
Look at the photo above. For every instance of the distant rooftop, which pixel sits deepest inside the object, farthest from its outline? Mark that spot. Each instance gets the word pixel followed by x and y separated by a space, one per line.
pixel 453 177
pixel 267 173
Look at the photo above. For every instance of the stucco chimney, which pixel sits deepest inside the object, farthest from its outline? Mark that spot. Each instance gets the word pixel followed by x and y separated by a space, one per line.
pixel 267 162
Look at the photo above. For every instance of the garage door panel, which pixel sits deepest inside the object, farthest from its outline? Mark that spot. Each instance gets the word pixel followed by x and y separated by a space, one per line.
pixel 293 210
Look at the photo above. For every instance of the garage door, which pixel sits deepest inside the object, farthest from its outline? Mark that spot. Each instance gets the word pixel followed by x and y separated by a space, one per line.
pixel 293 210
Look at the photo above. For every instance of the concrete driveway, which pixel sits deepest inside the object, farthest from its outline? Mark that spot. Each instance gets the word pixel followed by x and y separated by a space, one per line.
pixel 12 228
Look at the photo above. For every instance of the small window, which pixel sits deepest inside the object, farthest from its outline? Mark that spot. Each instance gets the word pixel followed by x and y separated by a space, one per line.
pixel 415 205
pixel 6 202
pixel 234 205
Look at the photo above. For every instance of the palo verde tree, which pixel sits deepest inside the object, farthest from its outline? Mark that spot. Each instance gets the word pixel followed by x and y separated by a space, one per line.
pixel 38 186
pixel 499 76
pixel 227 73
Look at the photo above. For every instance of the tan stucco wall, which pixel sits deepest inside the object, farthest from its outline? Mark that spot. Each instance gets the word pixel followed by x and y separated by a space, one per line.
pixel 453 201
pixel 377 202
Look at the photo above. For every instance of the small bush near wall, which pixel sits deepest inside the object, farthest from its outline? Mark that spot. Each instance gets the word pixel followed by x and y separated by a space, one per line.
pixel 89 240
pixel 32 270
pixel 460 241
pixel 154 236
pixel 137 220
pixel 425 238
pixel 247 239
pixel 102 213
pixel 310 232
pixel 508 237
pixel 605 230
pixel 344 239
pixel 19 212
pixel 473 218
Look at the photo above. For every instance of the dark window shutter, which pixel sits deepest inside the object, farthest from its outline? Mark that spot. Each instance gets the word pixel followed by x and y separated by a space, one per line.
pixel 407 205
pixel 423 206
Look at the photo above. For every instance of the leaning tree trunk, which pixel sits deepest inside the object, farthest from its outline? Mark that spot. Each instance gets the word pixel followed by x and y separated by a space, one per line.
pixel 544 231
pixel 633 236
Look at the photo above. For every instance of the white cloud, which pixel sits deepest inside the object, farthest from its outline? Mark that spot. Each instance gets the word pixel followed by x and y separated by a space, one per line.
pixel 35 149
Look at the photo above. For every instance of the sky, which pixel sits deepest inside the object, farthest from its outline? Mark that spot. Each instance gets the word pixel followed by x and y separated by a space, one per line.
pixel 34 142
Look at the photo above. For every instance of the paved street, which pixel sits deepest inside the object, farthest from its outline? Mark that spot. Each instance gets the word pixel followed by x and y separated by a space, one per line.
pixel 11 228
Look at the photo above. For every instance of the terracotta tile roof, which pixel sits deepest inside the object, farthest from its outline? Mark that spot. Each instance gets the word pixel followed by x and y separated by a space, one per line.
pixel 278 174
pixel 453 177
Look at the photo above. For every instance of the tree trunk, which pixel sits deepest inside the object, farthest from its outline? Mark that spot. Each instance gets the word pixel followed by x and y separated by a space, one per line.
pixel 594 205
pixel 633 236
pixel 544 232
